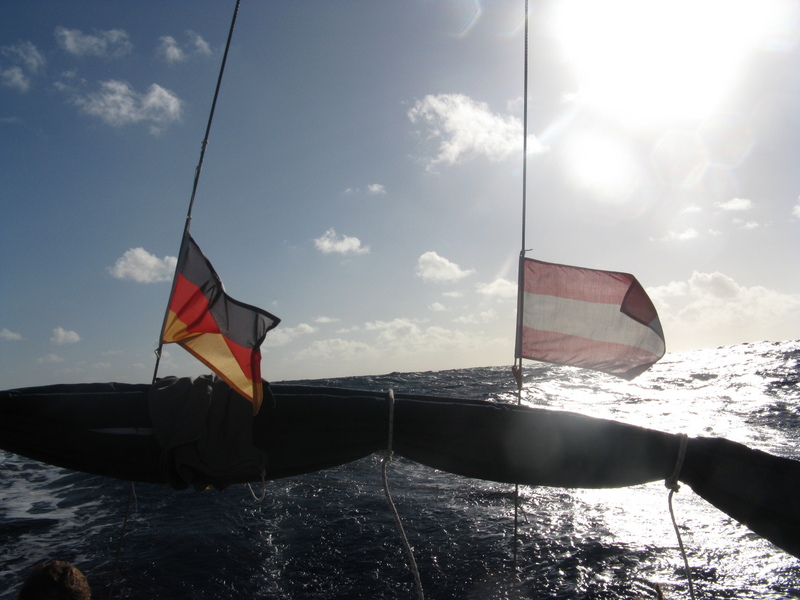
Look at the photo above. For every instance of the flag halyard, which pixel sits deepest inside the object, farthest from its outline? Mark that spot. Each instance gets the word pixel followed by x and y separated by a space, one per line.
pixel 221 332
pixel 601 320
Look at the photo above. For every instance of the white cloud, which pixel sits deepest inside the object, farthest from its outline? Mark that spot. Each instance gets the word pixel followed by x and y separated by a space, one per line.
pixel 283 335
pixel 796 210
pixel 437 307
pixel 139 265
pixel 405 343
pixel 486 316
pixel 5 334
pixel 330 243
pixel 680 236
pixel 372 189
pixel 325 320
pixel 467 129
pixel 62 336
pixel 735 204
pixel 112 43
pixel 169 49
pixel 394 330
pixel 27 61
pixel 27 55
pixel 746 224
pixel 404 337
pixel 432 267
pixel 200 45
pixel 173 52
pixel 49 359
pixel 499 288
pixel 117 104
pixel 712 309
pixel 337 349
pixel 14 77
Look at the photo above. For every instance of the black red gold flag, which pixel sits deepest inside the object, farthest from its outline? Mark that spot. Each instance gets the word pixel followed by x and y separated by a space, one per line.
pixel 221 332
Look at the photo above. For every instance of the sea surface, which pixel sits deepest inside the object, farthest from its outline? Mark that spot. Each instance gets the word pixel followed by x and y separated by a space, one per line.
pixel 331 535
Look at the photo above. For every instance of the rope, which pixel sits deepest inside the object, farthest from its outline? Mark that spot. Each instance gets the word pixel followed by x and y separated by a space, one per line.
pixel 131 501
pixel 672 485
pixel 263 488
pixel 386 460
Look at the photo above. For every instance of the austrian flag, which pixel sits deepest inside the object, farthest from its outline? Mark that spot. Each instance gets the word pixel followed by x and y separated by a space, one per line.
pixel 599 320
pixel 221 332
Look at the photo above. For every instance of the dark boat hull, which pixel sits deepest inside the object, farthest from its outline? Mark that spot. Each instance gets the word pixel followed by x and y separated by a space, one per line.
pixel 200 433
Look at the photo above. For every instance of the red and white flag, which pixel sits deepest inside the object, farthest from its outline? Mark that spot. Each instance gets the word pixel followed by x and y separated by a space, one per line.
pixel 599 320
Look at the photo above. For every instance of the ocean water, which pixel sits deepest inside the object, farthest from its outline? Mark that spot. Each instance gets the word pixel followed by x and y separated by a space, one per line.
pixel 331 535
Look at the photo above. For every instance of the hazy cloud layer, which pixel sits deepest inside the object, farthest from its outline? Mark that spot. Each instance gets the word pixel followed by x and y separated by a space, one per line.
pixel 330 243
pixel 405 341
pixel 432 267
pixel 713 306
pixel 137 264
pixel 467 129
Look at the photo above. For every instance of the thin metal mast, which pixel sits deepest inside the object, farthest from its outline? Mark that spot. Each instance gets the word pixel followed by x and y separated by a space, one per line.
pixel 520 291
pixel 517 368
pixel 197 170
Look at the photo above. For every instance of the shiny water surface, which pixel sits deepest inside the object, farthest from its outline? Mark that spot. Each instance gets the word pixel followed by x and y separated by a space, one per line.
pixel 330 535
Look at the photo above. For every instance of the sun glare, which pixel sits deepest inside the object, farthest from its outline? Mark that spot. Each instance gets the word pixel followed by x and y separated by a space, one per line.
pixel 647 62
pixel 602 164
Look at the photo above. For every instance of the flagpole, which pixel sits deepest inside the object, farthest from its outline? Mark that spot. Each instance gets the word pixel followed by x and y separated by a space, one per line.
pixel 517 368
pixel 520 274
pixel 197 170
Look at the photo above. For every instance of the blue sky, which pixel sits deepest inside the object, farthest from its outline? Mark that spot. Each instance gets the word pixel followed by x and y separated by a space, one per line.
pixel 363 179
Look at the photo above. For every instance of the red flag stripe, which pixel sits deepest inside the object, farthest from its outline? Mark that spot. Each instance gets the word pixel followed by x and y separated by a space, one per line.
pixel 589 285
pixel 191 306
pixel 558 348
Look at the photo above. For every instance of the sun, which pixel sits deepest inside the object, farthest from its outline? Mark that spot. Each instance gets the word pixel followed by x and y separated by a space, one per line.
pixel 603 164
pixel 650 61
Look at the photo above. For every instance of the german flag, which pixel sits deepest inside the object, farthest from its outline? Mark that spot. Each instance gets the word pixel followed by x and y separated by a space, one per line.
pixel 221 332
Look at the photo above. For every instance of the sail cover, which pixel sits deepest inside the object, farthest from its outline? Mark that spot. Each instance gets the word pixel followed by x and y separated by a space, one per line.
pixel 221 332
pixel 601 320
